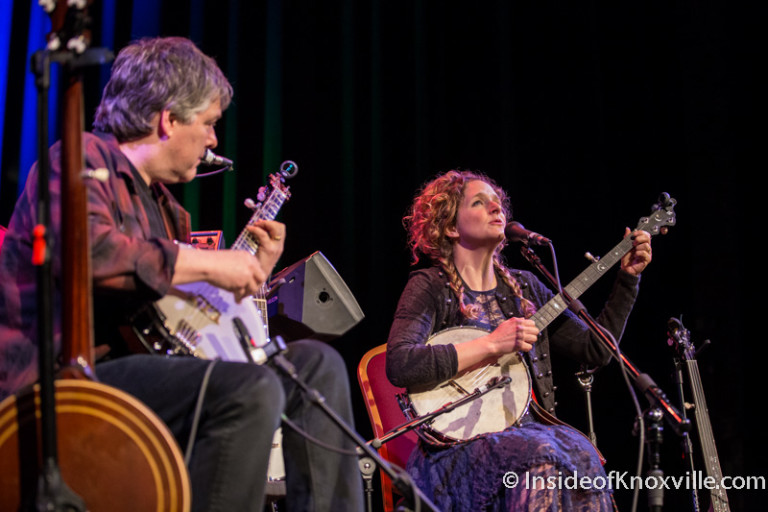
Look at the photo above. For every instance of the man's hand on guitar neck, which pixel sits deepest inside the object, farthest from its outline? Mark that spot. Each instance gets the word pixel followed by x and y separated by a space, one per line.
pixel 270 236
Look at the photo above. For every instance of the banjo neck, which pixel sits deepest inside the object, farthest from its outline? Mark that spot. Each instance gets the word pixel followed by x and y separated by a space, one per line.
pixel 555 306
pixel 662 216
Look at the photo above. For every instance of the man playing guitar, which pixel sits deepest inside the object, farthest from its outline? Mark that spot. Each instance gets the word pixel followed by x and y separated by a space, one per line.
pixel 155 122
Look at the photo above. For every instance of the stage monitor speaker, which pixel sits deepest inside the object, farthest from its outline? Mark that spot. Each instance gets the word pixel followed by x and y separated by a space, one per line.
pixel 310 300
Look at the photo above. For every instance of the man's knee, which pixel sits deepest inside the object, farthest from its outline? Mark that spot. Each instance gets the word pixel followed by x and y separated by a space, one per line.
pixel 317 355
pixel 253 388
pixel 321 367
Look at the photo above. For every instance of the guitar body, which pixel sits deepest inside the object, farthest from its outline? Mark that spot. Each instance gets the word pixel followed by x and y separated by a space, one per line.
pixel 198 319
pixel 114 452
pixel 494 411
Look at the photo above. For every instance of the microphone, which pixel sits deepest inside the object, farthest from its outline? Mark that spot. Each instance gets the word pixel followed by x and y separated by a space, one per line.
pixel 515 232
pixel 254 353
pixel 211 158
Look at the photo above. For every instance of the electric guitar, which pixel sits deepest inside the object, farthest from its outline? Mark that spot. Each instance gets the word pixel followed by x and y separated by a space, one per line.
pixel 200 319
pixel 503 407
pixel 680 339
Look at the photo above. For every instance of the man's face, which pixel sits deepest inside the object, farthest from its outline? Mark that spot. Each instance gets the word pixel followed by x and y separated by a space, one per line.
pixel 188 142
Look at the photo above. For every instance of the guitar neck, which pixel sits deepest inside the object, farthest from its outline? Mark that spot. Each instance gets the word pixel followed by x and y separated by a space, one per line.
pixel 552 309
pixel 246 242
pixel 268 211
pixel 706 437
pixel 261 304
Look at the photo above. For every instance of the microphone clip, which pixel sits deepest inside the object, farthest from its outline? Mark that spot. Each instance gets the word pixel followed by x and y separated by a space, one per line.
pixel 259 355
pixel 212 159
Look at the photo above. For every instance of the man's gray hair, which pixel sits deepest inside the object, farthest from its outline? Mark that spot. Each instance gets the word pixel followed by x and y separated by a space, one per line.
pixel 155 74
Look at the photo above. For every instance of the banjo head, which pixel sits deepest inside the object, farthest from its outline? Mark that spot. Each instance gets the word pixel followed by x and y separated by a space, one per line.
pixel 492 412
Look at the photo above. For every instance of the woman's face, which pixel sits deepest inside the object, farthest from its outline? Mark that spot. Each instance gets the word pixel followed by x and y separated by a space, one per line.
pixel 480 219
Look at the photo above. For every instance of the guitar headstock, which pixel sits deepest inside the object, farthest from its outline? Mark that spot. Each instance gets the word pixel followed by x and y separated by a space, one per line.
pixel 69 25
pixel 273 195
pixel 680 339
pixel 288 169
pixel 662 216
pixel 270 199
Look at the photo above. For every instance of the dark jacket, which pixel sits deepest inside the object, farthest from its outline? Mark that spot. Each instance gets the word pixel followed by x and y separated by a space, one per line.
pixel 428 305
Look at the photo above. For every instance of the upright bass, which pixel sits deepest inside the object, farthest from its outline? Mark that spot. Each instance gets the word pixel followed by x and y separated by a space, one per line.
pixel 680 340
pixel 70 442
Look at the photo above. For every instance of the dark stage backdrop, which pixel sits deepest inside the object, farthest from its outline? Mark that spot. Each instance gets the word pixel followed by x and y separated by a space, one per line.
pixel 584 111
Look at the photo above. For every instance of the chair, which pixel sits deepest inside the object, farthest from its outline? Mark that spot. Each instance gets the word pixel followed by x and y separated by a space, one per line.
pixel 385 414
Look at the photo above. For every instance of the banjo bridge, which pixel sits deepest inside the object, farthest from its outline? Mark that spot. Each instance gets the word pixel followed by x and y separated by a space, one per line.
pixel 455 385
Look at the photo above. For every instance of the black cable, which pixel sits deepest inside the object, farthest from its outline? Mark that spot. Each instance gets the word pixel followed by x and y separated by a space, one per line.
pixel 198 410
pixel 402 473
pixel 638 410
pixel 309 437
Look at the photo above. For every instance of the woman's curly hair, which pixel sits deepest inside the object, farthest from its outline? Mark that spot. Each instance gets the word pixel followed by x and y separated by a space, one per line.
pixel 433 213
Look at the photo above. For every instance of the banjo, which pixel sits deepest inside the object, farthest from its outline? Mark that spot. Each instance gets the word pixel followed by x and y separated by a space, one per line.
pixel 502 407
pixel 202 320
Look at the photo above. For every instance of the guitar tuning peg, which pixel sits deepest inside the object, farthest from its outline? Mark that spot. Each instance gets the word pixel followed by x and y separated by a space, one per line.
pixel 54 43
pixel 590 257
pixel 77 44
pixel 262 193
pixel 250 204
pixel 704 345
pixel 47 5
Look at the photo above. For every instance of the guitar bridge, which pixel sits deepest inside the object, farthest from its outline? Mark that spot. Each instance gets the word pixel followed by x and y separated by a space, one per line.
pixel 187 336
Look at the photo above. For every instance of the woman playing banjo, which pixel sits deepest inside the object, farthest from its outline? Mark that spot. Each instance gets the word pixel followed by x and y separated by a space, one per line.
pixel 457 222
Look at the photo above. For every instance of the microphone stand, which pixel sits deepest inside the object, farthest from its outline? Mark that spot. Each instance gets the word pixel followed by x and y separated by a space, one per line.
pixel 417 421
pixel 586 378
pixel 52 492
pixel 643 382
pixel 654 439
pixel 687 443
pixel 412 493
pixel 367 466
pixel 660 406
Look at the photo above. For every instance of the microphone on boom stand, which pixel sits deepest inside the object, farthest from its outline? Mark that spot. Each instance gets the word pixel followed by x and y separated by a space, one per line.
pixel 274 351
